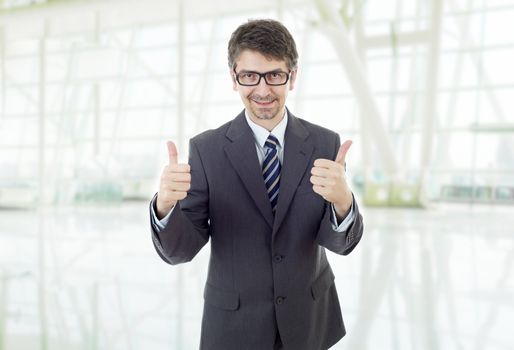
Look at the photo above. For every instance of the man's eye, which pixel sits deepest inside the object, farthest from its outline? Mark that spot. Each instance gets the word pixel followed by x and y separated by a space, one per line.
pixel 275 76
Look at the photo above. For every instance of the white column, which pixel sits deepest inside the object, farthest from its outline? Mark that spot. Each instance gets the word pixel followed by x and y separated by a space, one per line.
pixel 42 197
pixel 336 31
pixel 96 120
pixel 2 73
pixel 96 94
pixel 179 342
pixel 3 308
pixel 360 47
pixel 431 98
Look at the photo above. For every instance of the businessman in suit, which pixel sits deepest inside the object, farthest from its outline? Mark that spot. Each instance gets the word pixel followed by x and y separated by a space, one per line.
pixel 268 190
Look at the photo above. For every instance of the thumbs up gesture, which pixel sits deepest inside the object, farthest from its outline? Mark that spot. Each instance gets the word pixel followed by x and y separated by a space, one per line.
pixel 328 180
pixel 175 182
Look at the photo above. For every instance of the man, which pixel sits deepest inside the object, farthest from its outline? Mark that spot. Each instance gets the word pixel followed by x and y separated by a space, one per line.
pixel 268 189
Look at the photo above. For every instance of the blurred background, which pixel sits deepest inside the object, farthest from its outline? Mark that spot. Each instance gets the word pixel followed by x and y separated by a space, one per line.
pixel 90 91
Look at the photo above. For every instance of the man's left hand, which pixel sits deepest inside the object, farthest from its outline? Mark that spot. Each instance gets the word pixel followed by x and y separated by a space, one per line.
pixel 328 180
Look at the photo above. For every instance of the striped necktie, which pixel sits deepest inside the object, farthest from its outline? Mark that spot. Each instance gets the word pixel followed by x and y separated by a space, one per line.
pixel 271 170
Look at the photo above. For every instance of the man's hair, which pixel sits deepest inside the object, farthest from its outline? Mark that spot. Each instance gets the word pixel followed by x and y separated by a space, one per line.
pixel 266 36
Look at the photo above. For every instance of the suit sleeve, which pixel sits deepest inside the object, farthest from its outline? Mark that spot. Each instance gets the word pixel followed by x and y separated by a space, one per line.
pixel 340 242
pixel 187 230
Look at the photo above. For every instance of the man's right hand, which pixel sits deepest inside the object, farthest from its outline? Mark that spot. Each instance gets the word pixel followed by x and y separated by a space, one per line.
pixel 175 182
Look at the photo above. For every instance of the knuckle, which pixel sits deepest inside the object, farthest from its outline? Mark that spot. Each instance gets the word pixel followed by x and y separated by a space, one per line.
pixel 175 195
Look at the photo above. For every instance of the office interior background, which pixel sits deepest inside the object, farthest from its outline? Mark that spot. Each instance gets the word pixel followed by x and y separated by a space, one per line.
pixel 91 90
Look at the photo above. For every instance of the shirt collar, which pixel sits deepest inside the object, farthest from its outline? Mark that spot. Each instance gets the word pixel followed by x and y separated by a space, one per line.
pixel 261 134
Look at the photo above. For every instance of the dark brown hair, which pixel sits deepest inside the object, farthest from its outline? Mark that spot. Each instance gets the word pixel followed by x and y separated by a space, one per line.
pixel 266 36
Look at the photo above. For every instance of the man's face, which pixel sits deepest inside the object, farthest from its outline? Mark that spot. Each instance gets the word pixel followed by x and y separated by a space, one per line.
pixel 262 101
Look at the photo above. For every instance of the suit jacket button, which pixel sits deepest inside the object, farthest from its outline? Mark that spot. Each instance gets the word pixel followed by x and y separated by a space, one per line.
pixel 280 300
pixel 277 258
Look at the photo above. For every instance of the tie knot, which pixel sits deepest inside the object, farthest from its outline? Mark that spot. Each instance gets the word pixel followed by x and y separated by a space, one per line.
pixel 271 142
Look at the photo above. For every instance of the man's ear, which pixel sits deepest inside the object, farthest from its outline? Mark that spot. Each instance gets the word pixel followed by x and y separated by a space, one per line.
pixel 234 82
pixel 292 79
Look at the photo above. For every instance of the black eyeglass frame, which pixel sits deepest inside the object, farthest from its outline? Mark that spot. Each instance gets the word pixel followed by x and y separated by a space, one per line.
pixel 262 75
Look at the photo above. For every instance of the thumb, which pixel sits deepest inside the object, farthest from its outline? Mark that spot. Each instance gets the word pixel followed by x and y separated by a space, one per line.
pixel 341 155
pixel 172 152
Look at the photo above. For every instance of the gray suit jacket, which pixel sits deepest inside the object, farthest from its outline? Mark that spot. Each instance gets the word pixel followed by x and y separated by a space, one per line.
pixel 265 273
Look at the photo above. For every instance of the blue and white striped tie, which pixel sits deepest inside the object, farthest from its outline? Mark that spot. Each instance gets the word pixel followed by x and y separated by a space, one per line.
pixel 271 170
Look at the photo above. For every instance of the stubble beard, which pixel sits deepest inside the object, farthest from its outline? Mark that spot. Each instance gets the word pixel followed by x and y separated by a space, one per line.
pixel 263 113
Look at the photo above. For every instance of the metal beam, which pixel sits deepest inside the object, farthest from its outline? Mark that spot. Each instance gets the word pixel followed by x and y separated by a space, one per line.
pixel 336 32
pixel 467 41
pixel 137 12
pixel 181 53
pixel 3 308
pixel 401 39
pixel 365 135
pixel 124 73
pixel 96 95
pixel 2 73
pixel 493 127
pixel 431 100
pixel 42 198
pixel 205 81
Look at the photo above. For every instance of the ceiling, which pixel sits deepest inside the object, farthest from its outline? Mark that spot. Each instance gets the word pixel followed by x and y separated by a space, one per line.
pixel 57 17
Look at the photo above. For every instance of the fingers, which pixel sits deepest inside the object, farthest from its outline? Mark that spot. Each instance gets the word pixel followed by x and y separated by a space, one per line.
pixel 172 152
pixel 177 177
pixel 173 195
pixel 175 182
pixel 328 169
pixel 322 181
pixel 325 163
pixel 322 191
pixel 178 168
pixel 341 155
pixel 170 185
pixel 177 186
pixel 324 172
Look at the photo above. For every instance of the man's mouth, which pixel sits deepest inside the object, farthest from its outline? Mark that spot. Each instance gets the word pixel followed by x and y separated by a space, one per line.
pixel 263 103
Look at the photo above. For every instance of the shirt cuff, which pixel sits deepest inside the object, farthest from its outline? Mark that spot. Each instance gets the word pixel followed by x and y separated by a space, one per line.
pixel 348 220
pixel 159 225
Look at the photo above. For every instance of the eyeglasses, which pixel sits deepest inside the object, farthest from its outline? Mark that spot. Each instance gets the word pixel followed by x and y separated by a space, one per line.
pixel 273 78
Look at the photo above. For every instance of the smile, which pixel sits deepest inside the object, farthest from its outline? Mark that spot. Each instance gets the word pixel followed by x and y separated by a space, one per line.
pixel 264 103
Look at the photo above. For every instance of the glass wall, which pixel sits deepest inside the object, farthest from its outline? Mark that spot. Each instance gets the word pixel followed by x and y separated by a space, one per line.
pixel 85 114
pixel 90 91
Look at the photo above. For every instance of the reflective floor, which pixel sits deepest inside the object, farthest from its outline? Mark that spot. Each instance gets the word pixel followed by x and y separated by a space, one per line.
pixel 89 278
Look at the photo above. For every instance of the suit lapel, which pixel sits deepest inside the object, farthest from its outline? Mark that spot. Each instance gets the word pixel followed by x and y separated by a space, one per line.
pixel 243 156
pixel 297 155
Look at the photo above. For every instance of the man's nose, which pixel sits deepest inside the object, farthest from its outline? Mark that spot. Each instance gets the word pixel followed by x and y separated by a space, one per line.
pixel 262 88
